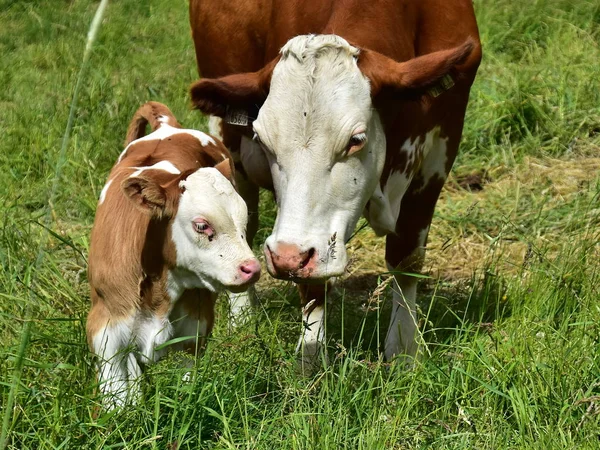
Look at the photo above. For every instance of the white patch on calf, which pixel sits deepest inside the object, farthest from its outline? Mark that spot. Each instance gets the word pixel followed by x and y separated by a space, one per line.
pixel 384 206
pixel 165 131
pixel 167 166
pixel 152 332
pixel 118 369
pixel 104 191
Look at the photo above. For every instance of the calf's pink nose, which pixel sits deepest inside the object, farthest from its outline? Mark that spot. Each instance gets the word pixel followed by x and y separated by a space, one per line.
pixel 250 270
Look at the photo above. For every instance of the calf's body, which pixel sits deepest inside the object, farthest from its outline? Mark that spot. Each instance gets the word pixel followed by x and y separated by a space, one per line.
pixel 169 234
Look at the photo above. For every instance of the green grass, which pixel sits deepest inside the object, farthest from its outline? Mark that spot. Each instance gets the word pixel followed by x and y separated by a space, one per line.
pixel 513 340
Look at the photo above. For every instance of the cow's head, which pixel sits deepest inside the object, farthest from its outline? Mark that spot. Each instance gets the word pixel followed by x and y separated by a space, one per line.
pixel 322 137
pixel 208 224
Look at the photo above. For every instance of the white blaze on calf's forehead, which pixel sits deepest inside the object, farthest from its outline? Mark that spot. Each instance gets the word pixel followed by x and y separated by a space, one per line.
pixel 165 131
pixel 209 190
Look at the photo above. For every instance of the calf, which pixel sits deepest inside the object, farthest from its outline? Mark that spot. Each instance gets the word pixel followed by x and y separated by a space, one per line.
pixel 169 234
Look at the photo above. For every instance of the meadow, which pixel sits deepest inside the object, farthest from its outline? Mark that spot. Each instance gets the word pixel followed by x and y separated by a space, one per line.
pixel 509 307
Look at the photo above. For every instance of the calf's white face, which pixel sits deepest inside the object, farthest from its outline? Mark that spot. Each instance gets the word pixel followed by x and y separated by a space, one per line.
pixel 208 227
pixel 326 148
pixel 209 233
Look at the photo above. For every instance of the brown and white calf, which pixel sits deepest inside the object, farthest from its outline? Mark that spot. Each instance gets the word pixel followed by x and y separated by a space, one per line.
pixel 356 108
pixel 169 234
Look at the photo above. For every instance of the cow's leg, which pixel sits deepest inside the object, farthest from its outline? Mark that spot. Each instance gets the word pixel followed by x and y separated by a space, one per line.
pixel 118 370
pixel 312 337
pixel 401 336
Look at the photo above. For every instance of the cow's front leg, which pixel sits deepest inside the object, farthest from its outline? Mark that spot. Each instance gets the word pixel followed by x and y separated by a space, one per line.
pixel 312 337
pixel 404 257
pixel 401 336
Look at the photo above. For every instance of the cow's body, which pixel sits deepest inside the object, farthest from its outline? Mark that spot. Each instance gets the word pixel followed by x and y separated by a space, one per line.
pixel 422 123
pixel 152 276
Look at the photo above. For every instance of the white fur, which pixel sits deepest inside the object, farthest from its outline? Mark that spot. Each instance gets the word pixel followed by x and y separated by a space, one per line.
pixel 117 373
pixel 167 166
pixel 151 332
pixel 104 191
pixel 201 263
pixel 384 207
pixel 240 306
pixel 318 99
pixel 165 131
pixel 313 334
pixel 401 335
pixel 435 157
pixel 214 126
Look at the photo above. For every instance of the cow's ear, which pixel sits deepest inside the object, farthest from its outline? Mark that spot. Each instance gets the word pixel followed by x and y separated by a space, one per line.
pixel 149 195
pixel 241 91
pixel 416 74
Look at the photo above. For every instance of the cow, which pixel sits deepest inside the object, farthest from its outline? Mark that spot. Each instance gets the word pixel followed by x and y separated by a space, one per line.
pixel 342 108
pixel 169 234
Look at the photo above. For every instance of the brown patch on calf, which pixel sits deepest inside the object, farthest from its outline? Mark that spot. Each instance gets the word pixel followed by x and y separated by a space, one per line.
pixel 149 113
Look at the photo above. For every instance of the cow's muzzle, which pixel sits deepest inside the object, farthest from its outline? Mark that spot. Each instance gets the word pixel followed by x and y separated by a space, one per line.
pixel 289 262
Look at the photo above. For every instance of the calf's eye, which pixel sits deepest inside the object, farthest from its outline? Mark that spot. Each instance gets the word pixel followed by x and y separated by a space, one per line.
pixel 201 226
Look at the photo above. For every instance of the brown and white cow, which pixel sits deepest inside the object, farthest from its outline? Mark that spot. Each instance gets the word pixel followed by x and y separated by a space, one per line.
pixel 356 108
pixel 169 234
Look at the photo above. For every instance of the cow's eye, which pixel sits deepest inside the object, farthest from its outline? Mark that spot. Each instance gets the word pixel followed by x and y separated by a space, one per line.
pixel 356 143
pixel 201 226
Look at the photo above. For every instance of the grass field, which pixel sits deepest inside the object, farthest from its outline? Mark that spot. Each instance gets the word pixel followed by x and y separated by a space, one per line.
pixel 510 311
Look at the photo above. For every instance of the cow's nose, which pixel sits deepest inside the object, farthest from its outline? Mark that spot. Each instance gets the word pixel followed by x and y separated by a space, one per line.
pixel 289 261
pixel 250 271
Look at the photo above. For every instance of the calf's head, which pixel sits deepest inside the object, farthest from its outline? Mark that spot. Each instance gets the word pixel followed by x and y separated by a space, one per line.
pixel 207 219
pixel 322 137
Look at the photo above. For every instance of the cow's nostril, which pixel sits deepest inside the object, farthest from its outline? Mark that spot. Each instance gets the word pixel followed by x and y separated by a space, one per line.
pixel 309 256
pixel 246 269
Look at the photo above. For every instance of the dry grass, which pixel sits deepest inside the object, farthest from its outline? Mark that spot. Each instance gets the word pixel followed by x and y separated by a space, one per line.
pixel 459 244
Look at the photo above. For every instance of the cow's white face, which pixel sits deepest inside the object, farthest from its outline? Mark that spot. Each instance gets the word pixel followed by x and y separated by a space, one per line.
pixel 326 148
pixel 209 233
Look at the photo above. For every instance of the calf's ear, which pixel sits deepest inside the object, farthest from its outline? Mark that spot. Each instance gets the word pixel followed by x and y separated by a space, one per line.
pixel 147 195
pixel 226 168
pixel 414 75
pixel 240 91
